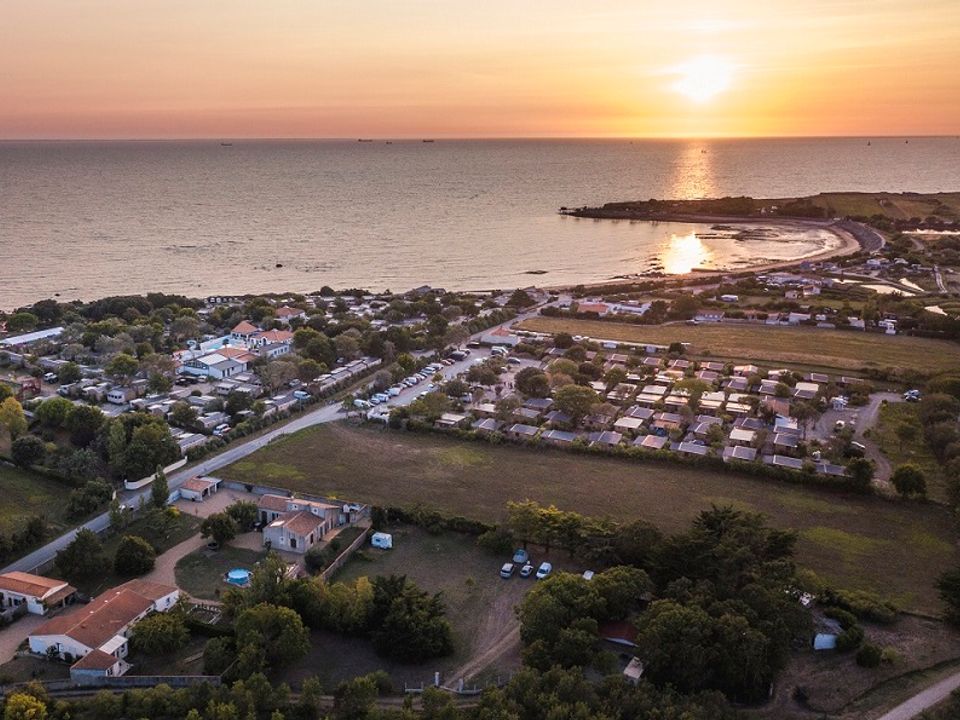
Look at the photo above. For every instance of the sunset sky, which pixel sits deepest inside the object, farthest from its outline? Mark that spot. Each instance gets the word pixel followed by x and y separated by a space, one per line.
pixel 456 68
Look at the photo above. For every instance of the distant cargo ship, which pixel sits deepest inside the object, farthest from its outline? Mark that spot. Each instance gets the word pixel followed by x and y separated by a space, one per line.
pixel 428 141
pixel 364 140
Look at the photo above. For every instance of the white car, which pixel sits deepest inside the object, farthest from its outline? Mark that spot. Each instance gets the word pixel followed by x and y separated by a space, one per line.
pixel 394 391
pixel 544 570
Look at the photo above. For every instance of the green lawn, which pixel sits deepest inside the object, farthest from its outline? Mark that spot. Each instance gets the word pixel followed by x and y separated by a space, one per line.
pixel 897 549
pixel 184 526
pixel 201 572
pixel 838 349
pixel 28 493
pixel 916 451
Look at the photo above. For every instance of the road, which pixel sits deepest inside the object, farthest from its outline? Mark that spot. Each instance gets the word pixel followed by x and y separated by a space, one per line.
pixel 923 700
pixel 939 278
pixel 238 451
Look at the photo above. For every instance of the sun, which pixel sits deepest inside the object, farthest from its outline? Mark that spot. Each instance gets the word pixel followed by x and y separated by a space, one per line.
pixel 704 77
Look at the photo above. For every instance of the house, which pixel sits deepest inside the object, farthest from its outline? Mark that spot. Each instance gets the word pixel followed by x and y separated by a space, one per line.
pixel 633 671
pixel 560 438
pixel 593 307
pixel 783 461
pixel 541 405
pixel 628 424
pixel 102 628
pixel 806 390
pixel 485 426
pixel 121 395
pixel 742 436
pixel 295 531
pixel 555 417
pixel 691 448
pixel 39 594
pixel 640 413
pixel 500 336
pixel 607 438
pixel 786 441
pixel 520 431
pixel 707 316
pixel 199 489
pixel 739 452
pixel 451 420
pixel 651 442
pixel 244 330
pixel 286 314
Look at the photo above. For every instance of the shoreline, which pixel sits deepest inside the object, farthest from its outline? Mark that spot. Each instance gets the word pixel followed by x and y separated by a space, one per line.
pixel 849 245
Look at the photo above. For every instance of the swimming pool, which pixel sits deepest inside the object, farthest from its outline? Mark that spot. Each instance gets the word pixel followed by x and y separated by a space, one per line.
pixel 238 576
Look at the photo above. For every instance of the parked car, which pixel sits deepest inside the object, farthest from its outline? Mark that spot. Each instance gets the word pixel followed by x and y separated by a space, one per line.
pixel 855 449
pixel 514 361
pixel 394 391
pixel 526 570
pixel 50 377
pixel 507 570
pixel 521 556
pixel 544 570
pixel 588 574
pixel 839 425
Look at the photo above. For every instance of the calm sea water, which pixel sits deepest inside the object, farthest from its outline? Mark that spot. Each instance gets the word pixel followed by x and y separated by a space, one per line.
pixel 90 219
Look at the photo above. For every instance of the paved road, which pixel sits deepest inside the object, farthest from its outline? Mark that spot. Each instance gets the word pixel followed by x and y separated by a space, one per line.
pixel 924 699
pixel 235 452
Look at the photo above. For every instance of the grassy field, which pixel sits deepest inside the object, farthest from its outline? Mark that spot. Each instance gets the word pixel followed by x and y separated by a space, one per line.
pixel 916 451
pixel 27 493
pixel 839 349
pixel 201 572
pixel 897 549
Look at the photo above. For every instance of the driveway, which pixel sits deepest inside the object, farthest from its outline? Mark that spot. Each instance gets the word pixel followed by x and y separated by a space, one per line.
pixel 12 636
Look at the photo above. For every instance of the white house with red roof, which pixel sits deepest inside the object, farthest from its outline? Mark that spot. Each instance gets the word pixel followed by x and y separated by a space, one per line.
pixel 39 594
pixel 96 636
pixel 286 314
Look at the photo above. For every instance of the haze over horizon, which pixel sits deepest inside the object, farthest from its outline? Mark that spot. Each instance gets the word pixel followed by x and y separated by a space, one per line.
pixel 108 69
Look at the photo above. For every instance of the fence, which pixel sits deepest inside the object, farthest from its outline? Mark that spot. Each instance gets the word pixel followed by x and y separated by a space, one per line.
pixel 344 556
pixel 121 682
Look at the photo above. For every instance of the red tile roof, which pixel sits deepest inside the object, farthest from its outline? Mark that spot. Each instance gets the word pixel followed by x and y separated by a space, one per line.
pixel 27 584
pixel 96 660
pixel 245 327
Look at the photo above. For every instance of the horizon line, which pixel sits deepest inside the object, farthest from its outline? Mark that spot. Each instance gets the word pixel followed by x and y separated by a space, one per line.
pixel 458 138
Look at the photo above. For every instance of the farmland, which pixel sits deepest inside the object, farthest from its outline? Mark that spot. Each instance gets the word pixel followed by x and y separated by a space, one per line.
pixel 894 548
pixel 838 349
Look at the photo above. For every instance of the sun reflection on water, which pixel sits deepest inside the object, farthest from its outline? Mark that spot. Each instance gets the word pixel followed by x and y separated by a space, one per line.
pixel 684 253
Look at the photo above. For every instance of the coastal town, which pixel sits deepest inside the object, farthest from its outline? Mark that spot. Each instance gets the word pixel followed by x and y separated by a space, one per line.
pixel 198 442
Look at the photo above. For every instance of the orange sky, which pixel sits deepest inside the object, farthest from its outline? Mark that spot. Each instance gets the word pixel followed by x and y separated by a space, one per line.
pixel 453 68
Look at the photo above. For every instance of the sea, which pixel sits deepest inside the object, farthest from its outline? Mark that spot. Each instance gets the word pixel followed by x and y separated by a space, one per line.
pixel 81 220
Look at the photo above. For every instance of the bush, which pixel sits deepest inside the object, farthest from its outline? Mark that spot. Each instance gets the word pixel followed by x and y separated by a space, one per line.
pixel 865 605
pixel 498 541
pixel 846 619
pixel 850 639
pixel 869 656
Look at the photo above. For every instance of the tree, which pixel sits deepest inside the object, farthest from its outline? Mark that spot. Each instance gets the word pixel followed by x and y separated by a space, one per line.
pixel 159 489
pixel 309 369
pixel 219 526
pixel 860 471
pixel 22 322
pixel 906 433
pixel 520 299
pixel 22 706
pixel 83 558
pixel 83 423
pixel 12 418
pixel 53 412
pixel 161 633
pixel 909 480
pixel 431 406
pixel 575 400
pixel 244 513
pixel 183 415
pixel 28 450
pixel 135 556
pixel 354 699
pixel 69 373
pixel 407 623
pixel 122 367
pixel 346 346
pixel 277 634
pixel 532 382
pixel 151 445
pixel 277 373
pixel 563 340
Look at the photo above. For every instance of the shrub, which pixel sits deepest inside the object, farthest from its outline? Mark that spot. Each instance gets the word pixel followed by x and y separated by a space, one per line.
pixel 869 656
pixel 850 639
pixel 498 541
